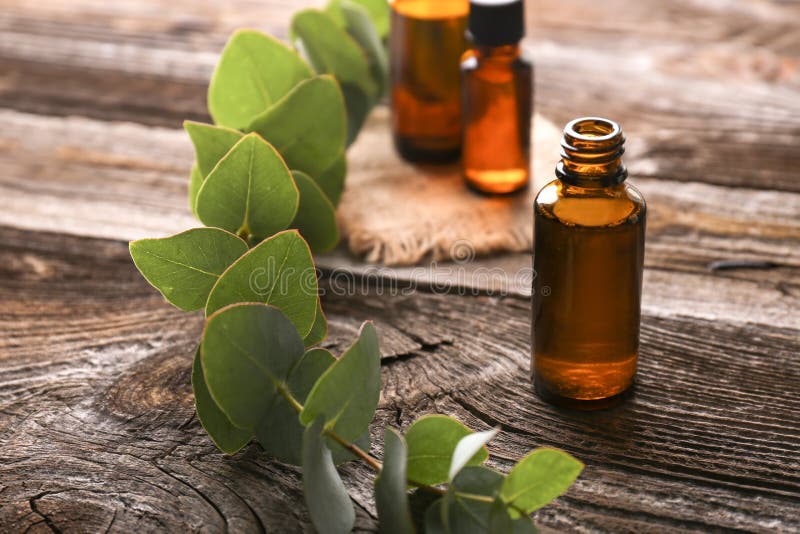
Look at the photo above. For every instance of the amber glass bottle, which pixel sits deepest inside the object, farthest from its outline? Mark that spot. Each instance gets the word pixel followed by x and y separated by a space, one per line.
pixel 497 87
pixel 426 43
pixel 588 260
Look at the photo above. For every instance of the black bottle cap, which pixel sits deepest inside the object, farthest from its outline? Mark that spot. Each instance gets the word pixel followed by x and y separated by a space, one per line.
pixel 496 22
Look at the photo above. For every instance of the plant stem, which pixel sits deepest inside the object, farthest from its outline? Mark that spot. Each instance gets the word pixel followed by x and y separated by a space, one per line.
pixel 355 449
pixel 352 447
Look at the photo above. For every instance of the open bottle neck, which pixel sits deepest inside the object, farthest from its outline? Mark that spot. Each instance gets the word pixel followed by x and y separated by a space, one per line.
pixel 591 153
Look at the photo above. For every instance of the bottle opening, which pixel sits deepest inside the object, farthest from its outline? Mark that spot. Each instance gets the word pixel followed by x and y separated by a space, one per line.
pixel 592 148
pixel 592 129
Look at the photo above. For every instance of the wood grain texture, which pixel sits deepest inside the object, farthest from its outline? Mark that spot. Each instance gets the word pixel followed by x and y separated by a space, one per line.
pixel 97 427
pixel 707 91
pixel 98 430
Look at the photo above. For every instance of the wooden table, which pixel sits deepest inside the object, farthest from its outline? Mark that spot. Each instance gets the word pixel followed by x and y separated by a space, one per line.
pixel 97 425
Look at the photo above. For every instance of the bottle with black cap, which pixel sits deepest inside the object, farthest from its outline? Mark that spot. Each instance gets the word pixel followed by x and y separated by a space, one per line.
pixel 497 90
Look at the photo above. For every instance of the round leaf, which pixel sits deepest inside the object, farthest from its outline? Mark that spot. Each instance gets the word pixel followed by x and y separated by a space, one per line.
pixel 391 498
pixel 431 442
pixel 250 191
pixel 331 50
pixel 253 72
pixel 467 448
pixel 248 350
pixel 211 143
pixel 278 271
pixel 307 126
pixel 316 216
pixel 326 497
pixel 185 267
pixel 226 437
pixel 280 432
pixel 319 331
pixel 540 477
pixel 347 394
pixel 331 181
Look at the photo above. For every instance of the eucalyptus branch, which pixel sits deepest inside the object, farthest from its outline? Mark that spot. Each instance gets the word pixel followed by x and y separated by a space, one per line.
pixel 370 460
pixel 260 206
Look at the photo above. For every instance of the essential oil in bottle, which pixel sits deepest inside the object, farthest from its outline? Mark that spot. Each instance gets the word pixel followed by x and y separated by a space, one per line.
pixel 589 230
pixel 426 44
pixel 497 89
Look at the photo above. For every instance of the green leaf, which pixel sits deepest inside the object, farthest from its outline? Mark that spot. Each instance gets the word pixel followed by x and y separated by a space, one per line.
pixel 253 72
pixel 332 180
pixel 316 216
pixel 466 515
pixel 226 437
pixel 307 126
pixel 250 191
pixel 326 497
pixel 391 498
pixel 280 432
pixel 467 448
pixel 319 331
pixel 195 181
pixel 500 522
pixel 185 266
pixel 278 271
pixel 434 520
pixel 347 394
pixel 358 106
pixel 431 442
pixel 211 143
pixel 247 351
pixel 331 50
pixel 540 477
pixel 379 12
pixel 361 28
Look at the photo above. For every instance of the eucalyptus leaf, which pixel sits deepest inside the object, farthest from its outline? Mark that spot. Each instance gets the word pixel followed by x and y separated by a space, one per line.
pixel 228 438
pixel 250 191
pixel 247 352
pixel 316 216
pixel 467 448
pixel 432 440
pixel 331 181
pixel 278 271
pixel 358 106
pixel 211 143
pixel 319 331
pixel 361 28
pixel 347 394
pixel 379 12
pixel 195 181
pixel 331 50
pixel 326 497
pixel 280 432
pixel 500 522
pixel 391 498
pixel 253 72
pixel 541 476
pixel 434 520
pixel 184 267
pixel 467 515
pixel 307 126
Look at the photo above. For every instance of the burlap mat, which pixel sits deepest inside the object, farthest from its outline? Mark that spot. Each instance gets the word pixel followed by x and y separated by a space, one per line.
pixel 396 213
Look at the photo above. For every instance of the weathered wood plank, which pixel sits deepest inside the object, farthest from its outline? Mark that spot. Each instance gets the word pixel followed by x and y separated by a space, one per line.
pixel 707 91
pixel 127 181
pixel 98 429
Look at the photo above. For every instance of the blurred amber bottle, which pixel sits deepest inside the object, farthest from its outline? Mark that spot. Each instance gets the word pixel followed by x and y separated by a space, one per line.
pixel 588 261
pixel 497 86
pixel 426 43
